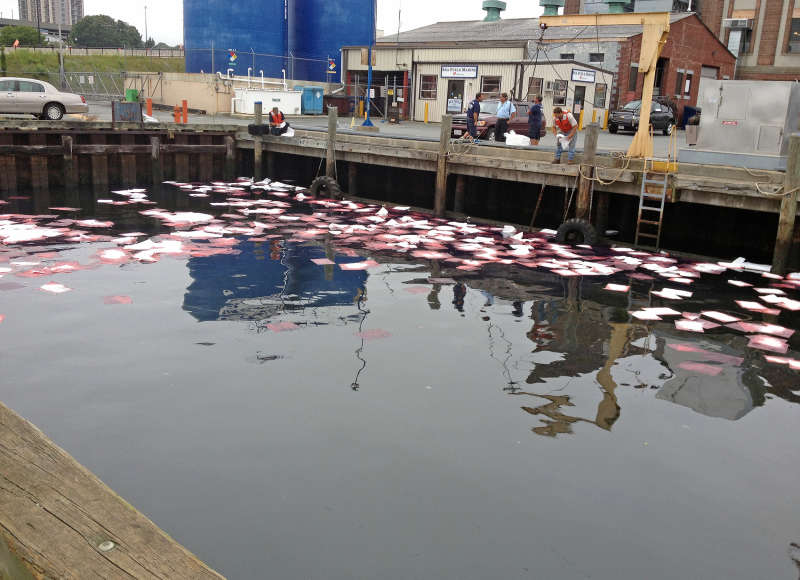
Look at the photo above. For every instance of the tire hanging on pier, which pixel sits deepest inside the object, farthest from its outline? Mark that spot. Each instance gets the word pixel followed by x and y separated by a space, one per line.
pixel 325 187
pixel 576 231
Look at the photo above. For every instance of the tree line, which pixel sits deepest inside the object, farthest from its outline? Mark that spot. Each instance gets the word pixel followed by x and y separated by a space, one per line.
pixel 95 31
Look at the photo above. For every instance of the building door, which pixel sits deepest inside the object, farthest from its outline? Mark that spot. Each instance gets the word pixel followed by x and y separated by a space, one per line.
pixel 580 95
pixel 455 97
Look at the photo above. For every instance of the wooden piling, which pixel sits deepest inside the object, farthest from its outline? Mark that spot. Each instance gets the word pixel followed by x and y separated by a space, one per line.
pixel 8 167
pixel 205 161
pixel 128 162
pixel 461 188
pixel 601 217
pixel 156 162
pixel 99 163
pixel 788 215
pixel 352 178
pixel 440 195
pixel 258 155
pixel 272 173
pixel 181 159
pixel 330 156
pixel 230 158
pixel 70 166
pixel 40 178
pixel 584 201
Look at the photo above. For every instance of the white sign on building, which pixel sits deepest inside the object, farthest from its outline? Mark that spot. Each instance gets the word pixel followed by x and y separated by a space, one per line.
pixel 459 72
pixel 583 76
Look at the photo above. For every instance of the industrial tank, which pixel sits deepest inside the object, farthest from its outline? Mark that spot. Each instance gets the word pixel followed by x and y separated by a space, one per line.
pixel 243 33
pixel 318 29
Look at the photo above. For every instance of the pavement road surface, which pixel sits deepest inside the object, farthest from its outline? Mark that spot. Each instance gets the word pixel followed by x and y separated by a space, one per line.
pixel 407 129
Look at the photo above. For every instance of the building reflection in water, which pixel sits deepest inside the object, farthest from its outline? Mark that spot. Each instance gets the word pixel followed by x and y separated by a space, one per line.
pixel 266 279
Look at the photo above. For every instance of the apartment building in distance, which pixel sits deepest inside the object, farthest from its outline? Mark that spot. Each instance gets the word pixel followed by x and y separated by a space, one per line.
pixel 51 11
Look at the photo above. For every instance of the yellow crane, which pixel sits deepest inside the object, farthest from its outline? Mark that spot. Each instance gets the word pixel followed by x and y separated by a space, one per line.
pixel 655 28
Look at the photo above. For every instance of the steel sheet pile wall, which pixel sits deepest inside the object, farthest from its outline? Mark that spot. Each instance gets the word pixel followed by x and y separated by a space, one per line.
pixel 270 35
pixel 244 33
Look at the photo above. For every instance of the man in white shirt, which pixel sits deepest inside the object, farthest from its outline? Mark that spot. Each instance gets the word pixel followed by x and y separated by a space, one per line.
pixel 505 112
pixel 565 128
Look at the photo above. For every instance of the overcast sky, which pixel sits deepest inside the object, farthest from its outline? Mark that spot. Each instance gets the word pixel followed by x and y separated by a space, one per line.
pixel 165 17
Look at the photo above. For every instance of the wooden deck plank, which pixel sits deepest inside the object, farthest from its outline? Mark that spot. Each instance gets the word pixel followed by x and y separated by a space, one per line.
pixel 56 516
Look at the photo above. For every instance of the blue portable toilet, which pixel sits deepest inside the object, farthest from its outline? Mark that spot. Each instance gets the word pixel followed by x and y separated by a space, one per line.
pixel 312 100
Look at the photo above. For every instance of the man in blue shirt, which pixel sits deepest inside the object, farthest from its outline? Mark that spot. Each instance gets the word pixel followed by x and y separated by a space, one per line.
pixel 473 114
pixel 505 112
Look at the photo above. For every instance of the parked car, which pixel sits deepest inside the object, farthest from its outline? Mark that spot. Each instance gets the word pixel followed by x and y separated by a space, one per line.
pixel 488 119
pixel 38 98
pixel 627 118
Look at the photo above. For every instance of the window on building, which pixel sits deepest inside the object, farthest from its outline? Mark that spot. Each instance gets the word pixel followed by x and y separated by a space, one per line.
pixel 600 90
pixel 427 86
pixel 567 56
pixel 633 77
pixel 534 87
pixel 559 93
pixel 678 84
pixel 794 35
pixel 490 85
pixel 747 41
pixel 596 57
pixel 687 85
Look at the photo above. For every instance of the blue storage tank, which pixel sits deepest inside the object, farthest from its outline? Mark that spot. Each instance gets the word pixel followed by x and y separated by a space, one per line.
pixel 318 29
pixel 243 33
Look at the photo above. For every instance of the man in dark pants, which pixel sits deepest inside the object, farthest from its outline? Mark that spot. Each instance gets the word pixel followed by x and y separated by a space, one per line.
pixel 277 122
pixel 473 114
pixel 535 116
pixel 505 112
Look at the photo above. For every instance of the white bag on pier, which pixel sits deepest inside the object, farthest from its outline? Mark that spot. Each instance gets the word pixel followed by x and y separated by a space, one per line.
pixel 513 138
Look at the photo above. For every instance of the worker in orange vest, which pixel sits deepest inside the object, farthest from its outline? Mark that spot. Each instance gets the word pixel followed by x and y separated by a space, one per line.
pixel 277 122
pixel 565 128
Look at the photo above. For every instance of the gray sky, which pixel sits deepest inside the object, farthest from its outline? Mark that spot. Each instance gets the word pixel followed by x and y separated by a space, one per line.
pixel 165 17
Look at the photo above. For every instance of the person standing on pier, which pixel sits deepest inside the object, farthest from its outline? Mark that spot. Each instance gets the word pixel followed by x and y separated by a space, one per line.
pixel 565 128
pixel 277 122
pixel 535 117
pixel 505 112
pixel 473 114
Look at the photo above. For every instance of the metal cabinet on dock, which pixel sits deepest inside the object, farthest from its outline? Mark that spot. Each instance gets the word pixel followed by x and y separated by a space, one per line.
pixel 311 100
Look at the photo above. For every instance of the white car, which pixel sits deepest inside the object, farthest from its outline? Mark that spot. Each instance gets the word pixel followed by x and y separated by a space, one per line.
pixel 38 98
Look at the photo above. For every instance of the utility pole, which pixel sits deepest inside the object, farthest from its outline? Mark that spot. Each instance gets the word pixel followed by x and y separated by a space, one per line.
pixel 146 37
pixel 367 122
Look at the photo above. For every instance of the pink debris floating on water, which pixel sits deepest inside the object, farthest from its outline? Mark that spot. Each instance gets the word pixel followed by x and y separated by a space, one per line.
pixel 282 326
pixel 373 334
pixel 55 288
pixel 117 300
pixel 617 287
pixel 323 261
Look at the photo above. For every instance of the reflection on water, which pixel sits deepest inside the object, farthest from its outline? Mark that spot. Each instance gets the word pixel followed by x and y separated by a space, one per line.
pixel 410 368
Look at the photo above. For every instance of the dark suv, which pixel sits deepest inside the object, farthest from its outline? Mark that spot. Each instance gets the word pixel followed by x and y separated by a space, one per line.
pixel 627 118
pixel 488 119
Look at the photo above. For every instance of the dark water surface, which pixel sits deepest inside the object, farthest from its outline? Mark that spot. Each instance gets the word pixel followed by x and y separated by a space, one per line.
pixel 502 422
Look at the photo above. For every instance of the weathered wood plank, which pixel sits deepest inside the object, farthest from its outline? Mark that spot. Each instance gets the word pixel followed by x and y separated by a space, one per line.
pixel 181 160
pixel 8 167
pixel 205 161
pixel 40 178
pixel 99 163
pixel 57 517
pixel 106 149
pixel 128 162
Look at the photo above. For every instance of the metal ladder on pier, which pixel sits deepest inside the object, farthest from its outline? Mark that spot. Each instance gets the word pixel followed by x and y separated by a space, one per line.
pixel 654 192
pixel 652 199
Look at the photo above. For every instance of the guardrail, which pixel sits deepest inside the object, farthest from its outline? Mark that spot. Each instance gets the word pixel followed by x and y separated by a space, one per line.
pixel 72 51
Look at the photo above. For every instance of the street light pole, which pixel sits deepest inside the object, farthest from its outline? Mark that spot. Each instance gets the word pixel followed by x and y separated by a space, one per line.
pixel 367 122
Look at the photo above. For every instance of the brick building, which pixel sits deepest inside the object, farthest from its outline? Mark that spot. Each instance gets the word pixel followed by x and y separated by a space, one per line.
pixel 764 34
pixel 692 51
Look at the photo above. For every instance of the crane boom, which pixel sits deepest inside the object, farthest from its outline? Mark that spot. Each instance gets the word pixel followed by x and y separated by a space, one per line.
pixel 655 29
